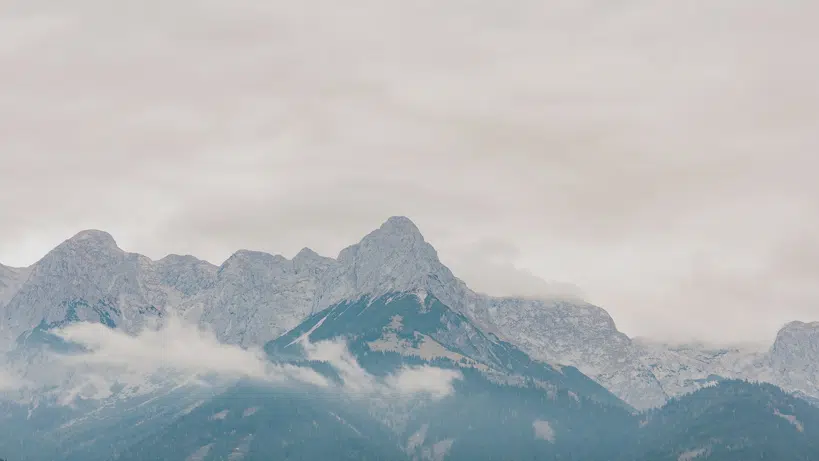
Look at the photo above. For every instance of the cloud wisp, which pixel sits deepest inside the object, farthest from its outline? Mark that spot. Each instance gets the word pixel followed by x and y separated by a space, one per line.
pixel 408 380
pixel 176 347
pixel 179 353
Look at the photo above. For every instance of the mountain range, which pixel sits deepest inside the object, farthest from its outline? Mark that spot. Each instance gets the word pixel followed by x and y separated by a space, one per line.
pixel 555 368
pixel 254 297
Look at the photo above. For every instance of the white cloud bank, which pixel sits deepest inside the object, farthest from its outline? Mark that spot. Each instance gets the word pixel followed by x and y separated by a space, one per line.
pixel 182 353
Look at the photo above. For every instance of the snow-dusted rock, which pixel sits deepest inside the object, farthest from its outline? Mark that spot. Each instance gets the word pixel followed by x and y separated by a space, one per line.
pixel 684 368
pixel 186 275
pixel 394 258
pixel 256 296
pixel 581 335
pixel 792 362
pixel 88 277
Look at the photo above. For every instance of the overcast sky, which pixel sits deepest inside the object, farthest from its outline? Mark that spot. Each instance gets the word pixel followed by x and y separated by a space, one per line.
pixel 662 155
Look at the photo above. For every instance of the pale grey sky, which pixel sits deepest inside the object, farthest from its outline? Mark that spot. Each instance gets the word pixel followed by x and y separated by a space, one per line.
pixel 661 155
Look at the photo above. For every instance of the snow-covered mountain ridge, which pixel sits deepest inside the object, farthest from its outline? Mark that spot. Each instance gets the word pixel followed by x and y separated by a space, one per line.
pixel 792 362
pixel 88 277
pixel 254 297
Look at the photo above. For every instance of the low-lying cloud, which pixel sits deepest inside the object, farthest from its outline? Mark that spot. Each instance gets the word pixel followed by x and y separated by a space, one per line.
pixel 181 353
pixel 432 381
pixel 177 347
pixel 437 382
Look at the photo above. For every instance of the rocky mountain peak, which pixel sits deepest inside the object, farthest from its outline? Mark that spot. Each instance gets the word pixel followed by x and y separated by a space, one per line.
pixel 175 259
pixel 84 251
pixel 249 261
pixel 92 238
pixel 397 238
pixel 187 274
pixel 797 340
pixel 307 254
pixel 308 260
pixel 798 327
pixel 393 258
pixel 400 225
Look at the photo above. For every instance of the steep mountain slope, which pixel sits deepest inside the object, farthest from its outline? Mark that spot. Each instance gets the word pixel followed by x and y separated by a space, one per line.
pixel 423 328
pixel 488 420
pixel 89 278
pixel 582 335
pixel 502 405
pixel 395 258
pixel 482 421
pixel 87 275
pixel 794 358
pixel 250 422
pixel 538 410
pixel 732 421
pixel 88 429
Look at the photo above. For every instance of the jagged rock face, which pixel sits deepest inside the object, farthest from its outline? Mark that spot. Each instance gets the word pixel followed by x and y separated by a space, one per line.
pixel 792 363
pixel 257 296
pixel 794 357
pixel 394 258
pixel 186 275
pixel 684 368
pixel 88 268
pixel 89 278
pixel 584 336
